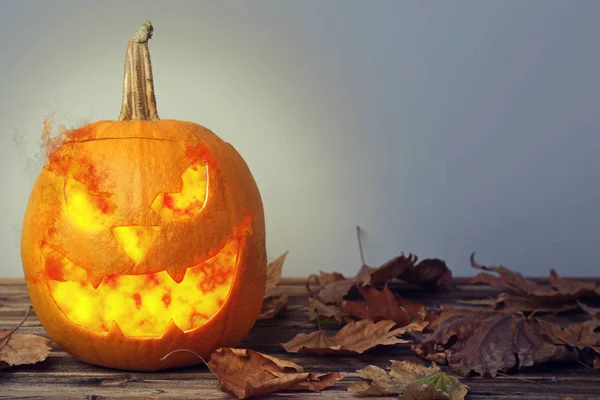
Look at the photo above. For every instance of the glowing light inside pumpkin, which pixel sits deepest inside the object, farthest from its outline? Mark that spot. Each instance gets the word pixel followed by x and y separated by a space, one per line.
pixel 85 208
pixel 190 200
pixel 142 305
pixel 134 239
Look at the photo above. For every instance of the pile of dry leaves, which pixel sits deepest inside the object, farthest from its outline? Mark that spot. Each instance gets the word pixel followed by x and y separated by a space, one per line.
pixel 506 335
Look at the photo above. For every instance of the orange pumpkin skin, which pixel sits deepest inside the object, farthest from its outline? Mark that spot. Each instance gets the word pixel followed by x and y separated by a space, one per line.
pixel 213 252
pixel 233 210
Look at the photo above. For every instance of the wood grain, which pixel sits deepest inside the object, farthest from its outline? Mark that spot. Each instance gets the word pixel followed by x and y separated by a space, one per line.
pixel 63 377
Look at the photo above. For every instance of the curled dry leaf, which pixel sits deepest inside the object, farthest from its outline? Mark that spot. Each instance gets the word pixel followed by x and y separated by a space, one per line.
pixel 431 273
pixel 591 311
pixel 274 300
pixel 411 381
pixel 246 373
pixel 274 270
pixel 273 303
pixel 354 338
pixel 487 342
pixel 560 290
pixel 384 305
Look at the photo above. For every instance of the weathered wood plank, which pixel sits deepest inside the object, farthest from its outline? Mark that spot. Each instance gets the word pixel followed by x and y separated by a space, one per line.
pixel 61 376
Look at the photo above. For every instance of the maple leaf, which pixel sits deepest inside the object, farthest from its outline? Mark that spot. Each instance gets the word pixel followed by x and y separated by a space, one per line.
pixel 247 373
pixel 354 338
pixel 487 342
pixel 384 305
pixel 274 270
pixel 273 303
pixel 20 349
pixel 411 381
pixel 560 290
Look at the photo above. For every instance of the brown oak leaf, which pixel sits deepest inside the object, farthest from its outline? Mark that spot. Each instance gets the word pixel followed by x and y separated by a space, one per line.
pixel 354 338
pixel 246 373
pixel 384 305
pixel 560 290
pixel 274 270
pixel 487 342
pixel 410 380
pixel 274 302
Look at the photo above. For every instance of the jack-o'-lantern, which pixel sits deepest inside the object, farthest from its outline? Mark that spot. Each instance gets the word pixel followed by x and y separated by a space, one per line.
pixel 144 235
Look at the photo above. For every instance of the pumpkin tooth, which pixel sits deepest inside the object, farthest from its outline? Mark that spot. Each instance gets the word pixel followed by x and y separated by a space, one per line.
pixel 172 330
pixel 176 274
pixel 95 279
pixel 114 331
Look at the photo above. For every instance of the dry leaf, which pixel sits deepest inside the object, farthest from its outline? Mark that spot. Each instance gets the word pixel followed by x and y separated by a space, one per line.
pixel 273 303
pixel 591 311
pixel 355 337
pixel 581 336
pixel 488 342
pixel 246 373
pixel 509 304
pixel 560 290
pixel 20 349
pixel 274 270
pixel 334 292
pixel 384 305
pixel 411 381
pixel 431 272
pixel 319 311
pixel 328 277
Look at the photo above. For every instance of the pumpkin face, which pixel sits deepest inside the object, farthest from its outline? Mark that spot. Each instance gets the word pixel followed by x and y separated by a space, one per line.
pixel 142 237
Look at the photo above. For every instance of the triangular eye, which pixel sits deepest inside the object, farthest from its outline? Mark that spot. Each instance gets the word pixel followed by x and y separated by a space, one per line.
pixel 84 207
pixel 190 200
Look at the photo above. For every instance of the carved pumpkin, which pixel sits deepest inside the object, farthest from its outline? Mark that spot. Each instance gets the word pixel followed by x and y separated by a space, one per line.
pixel 144 235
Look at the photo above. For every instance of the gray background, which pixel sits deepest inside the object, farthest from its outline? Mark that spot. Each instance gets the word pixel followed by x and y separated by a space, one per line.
pixel 440 127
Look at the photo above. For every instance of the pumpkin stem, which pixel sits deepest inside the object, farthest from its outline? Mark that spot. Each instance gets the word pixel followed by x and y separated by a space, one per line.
pixel 139 102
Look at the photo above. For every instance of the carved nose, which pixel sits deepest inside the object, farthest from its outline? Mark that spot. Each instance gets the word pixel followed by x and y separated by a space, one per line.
pixel 134 239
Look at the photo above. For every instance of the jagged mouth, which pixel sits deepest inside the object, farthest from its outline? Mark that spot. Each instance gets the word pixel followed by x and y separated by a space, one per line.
pixel 141 305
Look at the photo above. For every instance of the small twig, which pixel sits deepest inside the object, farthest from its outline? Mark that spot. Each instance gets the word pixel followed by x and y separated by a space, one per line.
pixel 318 320
pixel 9 334
pixel 163 358
pixel 360 246
pixel 298 307
pixel 520 379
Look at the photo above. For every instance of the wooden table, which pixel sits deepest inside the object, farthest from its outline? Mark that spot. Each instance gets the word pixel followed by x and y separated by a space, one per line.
pixel 61 376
